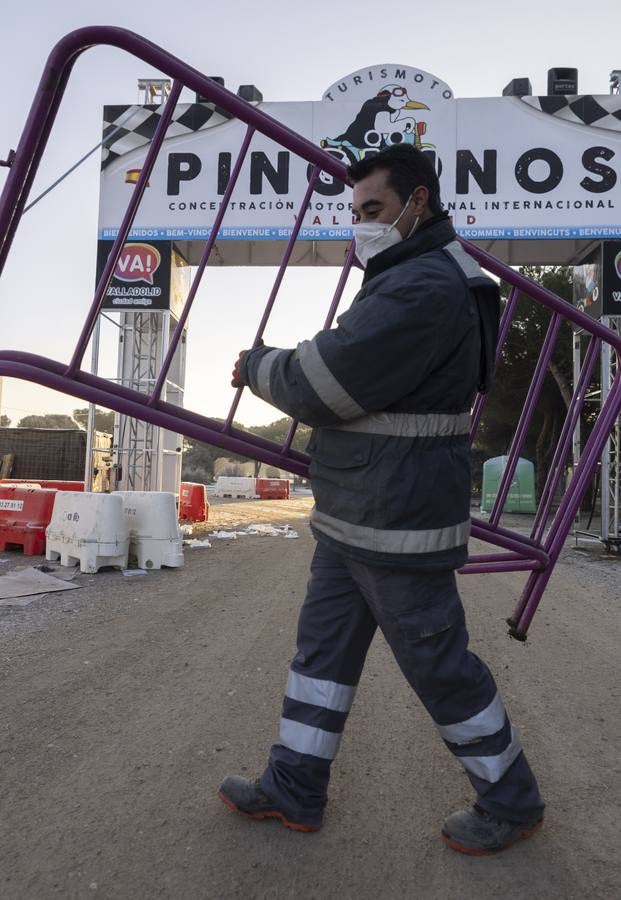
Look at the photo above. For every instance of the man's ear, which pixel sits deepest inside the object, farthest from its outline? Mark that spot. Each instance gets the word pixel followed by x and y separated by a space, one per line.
pixel 420 199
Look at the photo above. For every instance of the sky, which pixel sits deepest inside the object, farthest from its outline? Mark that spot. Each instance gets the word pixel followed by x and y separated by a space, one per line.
pixel 292 52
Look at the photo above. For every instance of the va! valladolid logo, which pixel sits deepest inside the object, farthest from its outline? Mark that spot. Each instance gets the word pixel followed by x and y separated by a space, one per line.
pixel 396 102
pixel 138 262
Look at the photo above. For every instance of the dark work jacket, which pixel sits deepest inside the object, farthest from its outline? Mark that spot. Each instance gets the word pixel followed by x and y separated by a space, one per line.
pixel 388 393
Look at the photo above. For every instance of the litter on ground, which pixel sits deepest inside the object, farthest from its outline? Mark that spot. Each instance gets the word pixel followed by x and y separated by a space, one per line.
pixel 28 584
pixel 256 529
pixel 271 530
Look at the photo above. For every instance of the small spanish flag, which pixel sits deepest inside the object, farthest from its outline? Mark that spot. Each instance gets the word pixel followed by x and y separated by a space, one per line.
pixel 132 175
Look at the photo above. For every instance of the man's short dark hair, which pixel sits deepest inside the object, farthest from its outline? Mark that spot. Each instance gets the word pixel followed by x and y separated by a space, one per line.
pixel 407 168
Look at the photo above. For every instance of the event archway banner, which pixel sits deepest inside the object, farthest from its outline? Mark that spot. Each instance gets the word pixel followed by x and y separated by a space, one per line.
pixel 511 168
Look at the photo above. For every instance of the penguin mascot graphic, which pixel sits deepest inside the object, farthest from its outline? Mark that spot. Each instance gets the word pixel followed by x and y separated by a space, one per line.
pixel 389 110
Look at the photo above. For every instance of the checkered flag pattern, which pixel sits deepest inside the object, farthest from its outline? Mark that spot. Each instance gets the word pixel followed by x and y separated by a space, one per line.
pixel 126 128
pixel 603 111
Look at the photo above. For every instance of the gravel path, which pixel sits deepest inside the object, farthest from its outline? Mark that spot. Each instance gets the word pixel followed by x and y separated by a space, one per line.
pixel 125 703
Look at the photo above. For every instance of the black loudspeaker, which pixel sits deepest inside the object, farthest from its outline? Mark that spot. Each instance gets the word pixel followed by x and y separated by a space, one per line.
pixel 218 79
pixel 249 92
pixel 562 81
pixel 518 87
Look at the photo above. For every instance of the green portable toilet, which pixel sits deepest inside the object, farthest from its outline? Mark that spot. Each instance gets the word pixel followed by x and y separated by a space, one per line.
pixel 521 496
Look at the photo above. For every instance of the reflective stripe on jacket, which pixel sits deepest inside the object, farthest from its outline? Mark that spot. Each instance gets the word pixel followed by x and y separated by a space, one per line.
pixel 388 393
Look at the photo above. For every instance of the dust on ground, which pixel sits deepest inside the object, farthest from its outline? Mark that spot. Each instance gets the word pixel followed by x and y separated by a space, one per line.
pixel 125 703
pixel 225 514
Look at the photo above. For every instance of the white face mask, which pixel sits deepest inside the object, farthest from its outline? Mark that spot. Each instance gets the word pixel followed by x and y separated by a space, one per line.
pixel 373 237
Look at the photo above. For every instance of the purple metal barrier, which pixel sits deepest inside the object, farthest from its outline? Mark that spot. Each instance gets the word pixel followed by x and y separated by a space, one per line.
pixel 536 554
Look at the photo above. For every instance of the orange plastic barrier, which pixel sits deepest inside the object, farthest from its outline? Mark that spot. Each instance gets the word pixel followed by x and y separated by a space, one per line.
pixel 272 488
pixel 193 505
pixel 25 513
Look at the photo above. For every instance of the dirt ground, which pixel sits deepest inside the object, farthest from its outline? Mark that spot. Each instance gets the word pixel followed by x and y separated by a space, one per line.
pixel 124 704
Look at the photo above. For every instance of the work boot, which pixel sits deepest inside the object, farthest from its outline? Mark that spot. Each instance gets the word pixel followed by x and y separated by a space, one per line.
pixel 476 832
pixel 248 798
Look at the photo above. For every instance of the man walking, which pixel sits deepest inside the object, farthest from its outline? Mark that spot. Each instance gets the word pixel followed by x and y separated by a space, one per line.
pixel 388 393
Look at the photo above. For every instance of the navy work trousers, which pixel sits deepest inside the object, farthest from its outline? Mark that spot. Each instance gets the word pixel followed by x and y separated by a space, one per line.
pixel 421 616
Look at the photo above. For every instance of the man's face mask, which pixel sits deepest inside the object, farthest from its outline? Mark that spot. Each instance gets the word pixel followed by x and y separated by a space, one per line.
pixel 373 237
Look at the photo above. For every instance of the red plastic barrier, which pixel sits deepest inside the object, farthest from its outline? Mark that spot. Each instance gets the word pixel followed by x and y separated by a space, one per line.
pixel 273 488
pixel 25 513
pixel 193 505
pixel 63 485
pixel 46 483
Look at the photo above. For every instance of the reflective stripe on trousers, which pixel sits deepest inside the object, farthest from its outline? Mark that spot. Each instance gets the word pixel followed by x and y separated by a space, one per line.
pixel 314 713
pixel 422 619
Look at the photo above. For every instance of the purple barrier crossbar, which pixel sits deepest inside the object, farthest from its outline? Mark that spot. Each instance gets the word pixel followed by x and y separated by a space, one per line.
pixel 209 245
pixel 126 224
pixel 536 553
pixel 338 293
pixel 277 283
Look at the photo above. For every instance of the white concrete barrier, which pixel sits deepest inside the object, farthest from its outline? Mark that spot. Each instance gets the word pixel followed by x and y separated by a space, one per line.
pixel 154 535
pixel 89 529
pixel 236 486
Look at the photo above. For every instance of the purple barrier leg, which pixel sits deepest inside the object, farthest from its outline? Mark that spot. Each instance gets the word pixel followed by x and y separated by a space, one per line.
pixel 502 565
pixel 525 609
pixel 526 417
pixel 562 448
pixel 508 540
pixel 494 557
